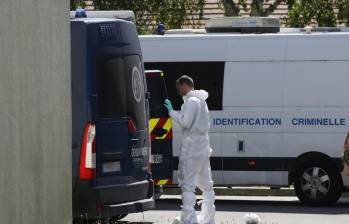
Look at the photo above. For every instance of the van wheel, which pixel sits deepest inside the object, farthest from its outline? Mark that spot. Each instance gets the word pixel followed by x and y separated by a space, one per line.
pixel 318 183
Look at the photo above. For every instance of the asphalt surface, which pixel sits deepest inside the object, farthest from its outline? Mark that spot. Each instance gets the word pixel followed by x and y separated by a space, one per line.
pixel 231 210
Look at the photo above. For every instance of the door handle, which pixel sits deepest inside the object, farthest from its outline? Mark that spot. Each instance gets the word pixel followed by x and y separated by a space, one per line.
pixel 159 132
pixel 241 146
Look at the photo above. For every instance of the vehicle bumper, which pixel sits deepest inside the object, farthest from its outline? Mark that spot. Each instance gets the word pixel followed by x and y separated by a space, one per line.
pixel 111 200
pixel 129 207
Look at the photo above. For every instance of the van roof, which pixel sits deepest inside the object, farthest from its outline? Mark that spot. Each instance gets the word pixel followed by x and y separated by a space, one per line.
pixel 95 20
pixel 226 35
pixel 283 32
pixel 118 14
pixel 246 47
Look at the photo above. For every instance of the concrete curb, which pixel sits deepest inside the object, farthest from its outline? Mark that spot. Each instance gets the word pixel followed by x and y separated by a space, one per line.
pixel 242 191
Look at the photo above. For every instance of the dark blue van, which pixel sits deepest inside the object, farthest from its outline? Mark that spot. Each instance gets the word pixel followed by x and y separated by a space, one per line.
pixel 111 142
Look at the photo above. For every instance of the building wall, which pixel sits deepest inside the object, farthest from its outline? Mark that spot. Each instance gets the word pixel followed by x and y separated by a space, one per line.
pixel 214 8
pixel 35 116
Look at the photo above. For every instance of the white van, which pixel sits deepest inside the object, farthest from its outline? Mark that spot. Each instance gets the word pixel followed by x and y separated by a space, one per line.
pixel 279 105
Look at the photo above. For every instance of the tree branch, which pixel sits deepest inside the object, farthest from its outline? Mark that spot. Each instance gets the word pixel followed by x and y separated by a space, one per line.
pixel 230 8
pixel 257 8
pixel 272 7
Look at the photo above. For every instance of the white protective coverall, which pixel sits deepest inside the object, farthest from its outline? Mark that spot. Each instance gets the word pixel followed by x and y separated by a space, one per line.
pixel 194 163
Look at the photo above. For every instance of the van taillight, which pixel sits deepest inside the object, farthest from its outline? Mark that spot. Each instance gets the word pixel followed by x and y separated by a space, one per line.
pixel 88 153
pixel 131 126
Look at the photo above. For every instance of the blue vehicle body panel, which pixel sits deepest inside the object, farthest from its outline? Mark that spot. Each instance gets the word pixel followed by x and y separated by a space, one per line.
pixel 104 54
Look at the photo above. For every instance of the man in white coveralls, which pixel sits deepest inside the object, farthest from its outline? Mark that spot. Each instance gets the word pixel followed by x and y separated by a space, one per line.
pixel 195 151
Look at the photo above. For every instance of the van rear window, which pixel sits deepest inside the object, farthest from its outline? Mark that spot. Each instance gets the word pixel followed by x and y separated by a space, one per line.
pixel 121 88
pixel 112 97
pixel 207 75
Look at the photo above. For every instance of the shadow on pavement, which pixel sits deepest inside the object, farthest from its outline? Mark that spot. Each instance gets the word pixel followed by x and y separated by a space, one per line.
pixel 262 206
pixel 125 222
pixel 121 222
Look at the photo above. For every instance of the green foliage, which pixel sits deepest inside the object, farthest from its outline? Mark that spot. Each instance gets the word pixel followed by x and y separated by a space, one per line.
pixel 257 8
pixel 343 11
pixel 290 3
pixel 232 8
pixel 74 4
pixel 301 12
pixel 322 12
pixel 300 15
pixel 173 13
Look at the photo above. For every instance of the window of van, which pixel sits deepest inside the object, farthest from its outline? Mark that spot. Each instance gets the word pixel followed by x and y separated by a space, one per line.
pixel 116 95
pixel 112 100
pixel 156 86
pixel 207 75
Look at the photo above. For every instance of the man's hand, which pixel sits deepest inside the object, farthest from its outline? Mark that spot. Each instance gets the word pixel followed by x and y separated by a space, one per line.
pixel 168 105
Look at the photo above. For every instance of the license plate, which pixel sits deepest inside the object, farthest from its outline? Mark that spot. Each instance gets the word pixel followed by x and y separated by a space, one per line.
pixel 111 167
pixel 157 158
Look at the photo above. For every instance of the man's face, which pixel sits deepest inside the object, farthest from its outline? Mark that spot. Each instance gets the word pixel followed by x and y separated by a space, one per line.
pixel 183 89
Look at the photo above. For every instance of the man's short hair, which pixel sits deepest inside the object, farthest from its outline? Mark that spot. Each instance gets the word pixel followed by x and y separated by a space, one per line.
pixel 184 79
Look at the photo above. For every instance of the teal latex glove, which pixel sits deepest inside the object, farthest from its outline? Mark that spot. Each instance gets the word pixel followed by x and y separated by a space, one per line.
pixel 168 105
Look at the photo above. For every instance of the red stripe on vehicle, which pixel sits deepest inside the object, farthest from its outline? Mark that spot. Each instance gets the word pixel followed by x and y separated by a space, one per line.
pixel 160 124
pixel 169 134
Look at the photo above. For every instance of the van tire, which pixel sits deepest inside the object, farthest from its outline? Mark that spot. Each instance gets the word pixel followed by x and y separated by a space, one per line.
pixel 318 183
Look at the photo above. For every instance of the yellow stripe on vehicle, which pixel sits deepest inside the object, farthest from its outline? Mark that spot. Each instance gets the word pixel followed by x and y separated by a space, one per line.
pixel 167 126
pixel 152 124
pixel 162 182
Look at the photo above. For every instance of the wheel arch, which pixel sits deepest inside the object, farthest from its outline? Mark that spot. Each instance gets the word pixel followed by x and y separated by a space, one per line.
pixel 311 155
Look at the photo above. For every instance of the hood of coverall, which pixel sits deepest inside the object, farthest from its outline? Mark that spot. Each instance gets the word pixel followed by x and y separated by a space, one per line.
pixel 201 94
pixel 202 122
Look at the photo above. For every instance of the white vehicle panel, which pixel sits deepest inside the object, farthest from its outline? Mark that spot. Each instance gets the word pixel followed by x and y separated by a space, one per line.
pixel 246 47
pixel 256 144
pixel 283 95
pixel 316 83
pixel 249 120
pixel 253 84
pixel 296 144
pixel 254 178
pixel 318 47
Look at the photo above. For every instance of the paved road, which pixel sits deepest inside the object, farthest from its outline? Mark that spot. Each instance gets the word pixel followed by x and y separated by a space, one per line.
pixel 230 210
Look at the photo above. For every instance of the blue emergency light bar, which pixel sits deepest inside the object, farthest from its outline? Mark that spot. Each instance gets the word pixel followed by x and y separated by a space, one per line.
pixel 120 14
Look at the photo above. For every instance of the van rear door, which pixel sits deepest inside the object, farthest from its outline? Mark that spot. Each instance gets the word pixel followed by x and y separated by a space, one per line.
pixel 121 124
pixel 160 129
